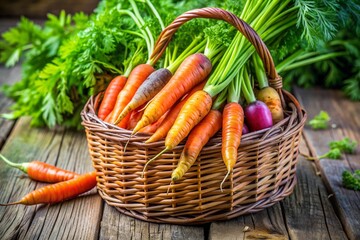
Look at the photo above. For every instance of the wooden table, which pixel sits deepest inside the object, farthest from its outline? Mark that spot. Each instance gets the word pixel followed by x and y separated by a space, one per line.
pixel 319 207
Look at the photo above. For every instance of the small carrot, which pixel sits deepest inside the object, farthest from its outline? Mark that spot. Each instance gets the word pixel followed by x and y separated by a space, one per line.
pixel 193 111
pixel 147 90
pixel 232 127
pixel 193 70
pixel 154 126
pixel 135 116
pixel 135 79
pixel 171 117
pixel 197 139
pixel 110 95
pixel 60 191
pixel 41 171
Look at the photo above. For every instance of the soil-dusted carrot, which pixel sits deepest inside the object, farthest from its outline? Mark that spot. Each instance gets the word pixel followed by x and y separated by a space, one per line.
pixel 41 171
pixel 171 117
pixel 60 191
pixel 147 90
pixel 110 95
pixel 193 70
pixel 197 139
pixel 135 79
pixel 267 94
pixel 232 127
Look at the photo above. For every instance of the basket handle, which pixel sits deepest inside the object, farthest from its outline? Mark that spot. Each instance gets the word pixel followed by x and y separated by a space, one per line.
pixel 165 36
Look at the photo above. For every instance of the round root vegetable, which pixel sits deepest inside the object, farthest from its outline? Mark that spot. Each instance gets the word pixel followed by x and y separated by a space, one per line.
pixel 41 171
pixel 193 70
pixel 110 95
pixel 232 127
pixel 271 98
pixel 137 76
pixel 60 191
pixel 258 116
pixel 197 139
pixel 147 90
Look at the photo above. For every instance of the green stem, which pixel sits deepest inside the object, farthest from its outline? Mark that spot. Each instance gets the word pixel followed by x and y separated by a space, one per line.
pixel 147 30
pixel 109 66
pixel 312 60
pixel 247 88
pixel 191 49
pixel 260 72
pixel 21 166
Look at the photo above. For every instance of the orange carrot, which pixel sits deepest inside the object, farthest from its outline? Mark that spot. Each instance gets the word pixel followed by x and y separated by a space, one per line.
pixel 154 126
pixel 233 121
pixel 110 95
pixel 193 111
pixel 41 171
pixel 193 70
pixel 135 79
pixel 197 139
pixel 135 116
pixel 147 90
pixel 171 116
pixel 60 191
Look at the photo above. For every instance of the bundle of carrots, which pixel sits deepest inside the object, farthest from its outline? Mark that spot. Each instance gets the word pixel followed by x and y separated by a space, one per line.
pixel 188 105
pixel 66 184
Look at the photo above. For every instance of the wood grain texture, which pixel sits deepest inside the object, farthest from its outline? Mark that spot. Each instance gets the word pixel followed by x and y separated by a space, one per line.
pixel 308 207
pixel 115 225
pixel 345 115
pixel 73 219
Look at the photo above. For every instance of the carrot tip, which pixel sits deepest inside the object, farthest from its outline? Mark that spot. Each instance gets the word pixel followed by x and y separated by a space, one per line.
pixel 152 159
pixel 8 204
pixel 222 182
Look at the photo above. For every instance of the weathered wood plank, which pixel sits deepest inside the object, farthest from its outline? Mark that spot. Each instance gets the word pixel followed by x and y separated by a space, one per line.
pixel 74 219
pixel 345 114
pixel 306 214
pixel 115 225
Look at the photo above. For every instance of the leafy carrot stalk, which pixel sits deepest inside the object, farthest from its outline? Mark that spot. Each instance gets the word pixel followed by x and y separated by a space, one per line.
pixel 267 94
pixel 193 70
pixel 137 76
pixel 197 139
pixel 60 191
pixel 110 95
pixel 167 123
pixel 41 171
pixel 193 111
pixel 147 90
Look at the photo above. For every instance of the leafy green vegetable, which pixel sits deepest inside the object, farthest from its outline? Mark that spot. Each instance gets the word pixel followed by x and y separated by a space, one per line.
pixel 345 145
pixel 320 121
pixel 351 180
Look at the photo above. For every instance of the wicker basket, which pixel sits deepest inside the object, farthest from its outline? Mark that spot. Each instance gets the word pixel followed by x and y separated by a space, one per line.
pixel 263 175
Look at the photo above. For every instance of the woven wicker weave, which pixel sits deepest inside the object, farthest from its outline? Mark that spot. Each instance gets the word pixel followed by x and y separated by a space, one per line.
pixel 263 175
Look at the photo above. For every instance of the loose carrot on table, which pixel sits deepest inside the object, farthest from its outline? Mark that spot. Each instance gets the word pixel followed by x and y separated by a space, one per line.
pixel 137 76
pixel 110 95
pixel 193 70
pixel 60 191
pixel 197 139
pixel 41 171
pixel 171 116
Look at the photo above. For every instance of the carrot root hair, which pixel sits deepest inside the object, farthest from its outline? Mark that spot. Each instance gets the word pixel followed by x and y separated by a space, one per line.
pixel 151 160
pixel 223 181
pixel 9 204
